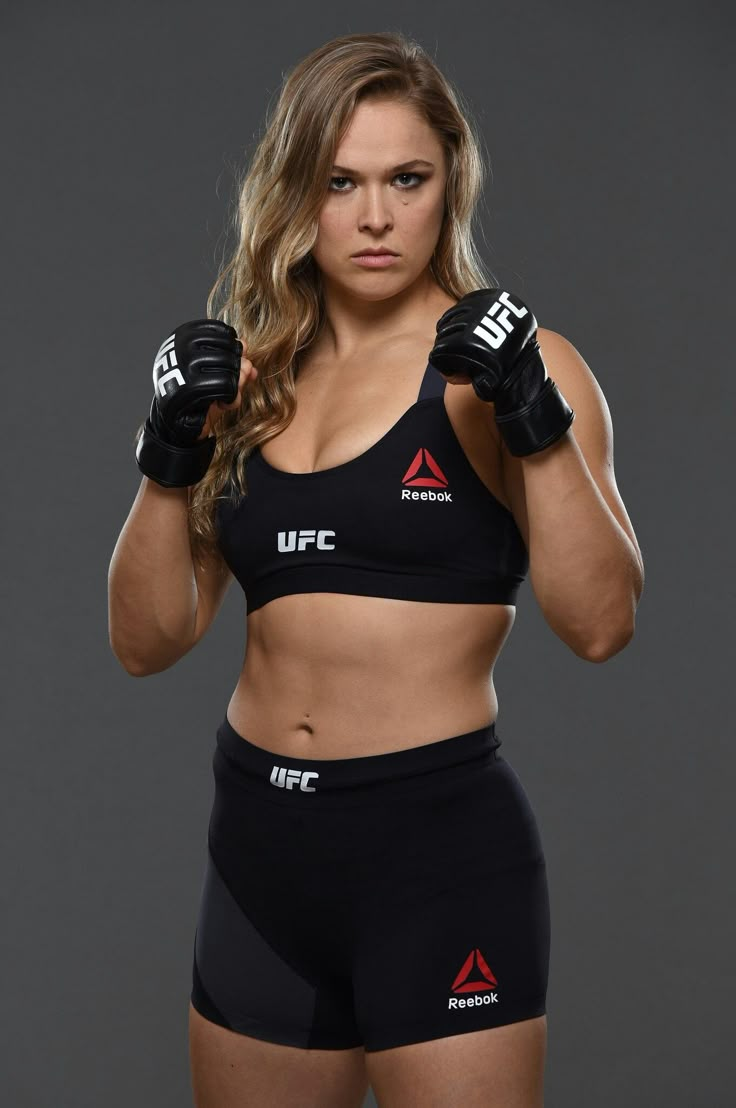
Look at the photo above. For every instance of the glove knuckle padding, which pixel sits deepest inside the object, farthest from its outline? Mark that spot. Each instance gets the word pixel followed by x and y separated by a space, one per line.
pixel 490 335
pixel 197 364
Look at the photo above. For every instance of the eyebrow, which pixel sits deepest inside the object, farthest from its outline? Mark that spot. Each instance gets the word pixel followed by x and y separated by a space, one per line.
pixel 396 169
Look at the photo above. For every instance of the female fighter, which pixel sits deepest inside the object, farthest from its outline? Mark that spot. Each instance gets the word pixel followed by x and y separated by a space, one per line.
pixel 379 445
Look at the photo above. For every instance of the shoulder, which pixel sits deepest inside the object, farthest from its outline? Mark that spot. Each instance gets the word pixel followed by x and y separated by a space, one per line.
pixel 564 360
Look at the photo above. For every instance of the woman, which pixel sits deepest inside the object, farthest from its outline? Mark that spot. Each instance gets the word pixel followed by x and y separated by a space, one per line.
pixel 375 906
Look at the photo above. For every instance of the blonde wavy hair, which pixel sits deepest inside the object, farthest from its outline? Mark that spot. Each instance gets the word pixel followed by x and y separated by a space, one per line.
pixel 271 286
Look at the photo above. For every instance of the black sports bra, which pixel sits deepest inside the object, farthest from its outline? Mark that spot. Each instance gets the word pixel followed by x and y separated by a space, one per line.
pixel 408 519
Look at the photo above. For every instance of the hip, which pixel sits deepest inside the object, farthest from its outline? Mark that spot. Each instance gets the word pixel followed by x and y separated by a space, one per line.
pixel 439 815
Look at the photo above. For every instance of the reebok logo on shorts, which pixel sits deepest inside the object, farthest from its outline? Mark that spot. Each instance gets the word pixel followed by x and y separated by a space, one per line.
pixel 483 983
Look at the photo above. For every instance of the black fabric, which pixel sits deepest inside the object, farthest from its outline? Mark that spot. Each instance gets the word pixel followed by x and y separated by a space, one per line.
pixel 407 519
pixel 403 899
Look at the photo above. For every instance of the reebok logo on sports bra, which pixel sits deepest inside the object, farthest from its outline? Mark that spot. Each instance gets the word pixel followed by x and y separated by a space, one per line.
pixel 438 480
pixel 408 519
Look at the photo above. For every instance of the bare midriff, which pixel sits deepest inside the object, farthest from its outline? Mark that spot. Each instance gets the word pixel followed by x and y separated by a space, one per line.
pixel 329 675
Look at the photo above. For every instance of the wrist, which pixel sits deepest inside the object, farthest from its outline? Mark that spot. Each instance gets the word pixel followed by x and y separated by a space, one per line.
pixel 172 465
pixel 538 423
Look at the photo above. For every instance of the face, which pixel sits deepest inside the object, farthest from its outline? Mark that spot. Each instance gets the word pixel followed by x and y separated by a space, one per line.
pixel 375 198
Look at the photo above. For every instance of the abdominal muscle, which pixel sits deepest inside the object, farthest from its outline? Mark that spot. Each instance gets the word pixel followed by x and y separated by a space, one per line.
pixel 332 675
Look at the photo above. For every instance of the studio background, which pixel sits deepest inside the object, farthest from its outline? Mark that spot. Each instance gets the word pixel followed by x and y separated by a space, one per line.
pixel 608 210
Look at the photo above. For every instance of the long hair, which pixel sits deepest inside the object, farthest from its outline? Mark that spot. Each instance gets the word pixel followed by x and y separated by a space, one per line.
pixel 271 286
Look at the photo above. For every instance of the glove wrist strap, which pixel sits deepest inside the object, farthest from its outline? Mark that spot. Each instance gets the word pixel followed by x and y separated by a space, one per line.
pixel 539 423
pixel 173 466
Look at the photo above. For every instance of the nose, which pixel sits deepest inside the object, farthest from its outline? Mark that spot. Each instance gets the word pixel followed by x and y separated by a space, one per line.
pixel 375 212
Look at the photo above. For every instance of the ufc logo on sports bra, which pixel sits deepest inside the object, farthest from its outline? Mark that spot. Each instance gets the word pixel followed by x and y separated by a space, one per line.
pixel 299 540
pixel 287 778
pixel 494 330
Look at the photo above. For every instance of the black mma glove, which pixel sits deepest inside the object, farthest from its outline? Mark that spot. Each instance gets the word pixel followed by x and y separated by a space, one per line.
pixel 198 364
pixel 490 335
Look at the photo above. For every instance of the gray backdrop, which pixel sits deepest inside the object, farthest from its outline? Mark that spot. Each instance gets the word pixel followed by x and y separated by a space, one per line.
pixel 609 211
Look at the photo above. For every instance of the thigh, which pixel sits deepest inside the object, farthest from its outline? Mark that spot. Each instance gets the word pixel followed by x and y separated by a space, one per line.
pixel 271 956
pixel 234 1070
pixel 455 937
pixel 500 1067
pixel 271 1017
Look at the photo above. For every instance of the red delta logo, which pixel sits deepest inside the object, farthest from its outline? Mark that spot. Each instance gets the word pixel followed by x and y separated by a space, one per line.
pixel 484 983
pixel 433 479
pixel 438 481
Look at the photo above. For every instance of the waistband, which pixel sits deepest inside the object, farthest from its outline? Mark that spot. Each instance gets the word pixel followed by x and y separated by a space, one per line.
pixel 334 775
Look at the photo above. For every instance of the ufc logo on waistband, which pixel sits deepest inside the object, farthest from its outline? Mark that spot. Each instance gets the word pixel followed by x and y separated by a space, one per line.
pixel 298 540
pixel 288 778
pixel 494 331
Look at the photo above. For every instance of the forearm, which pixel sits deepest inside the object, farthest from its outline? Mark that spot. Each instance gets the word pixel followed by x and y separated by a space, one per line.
pixel 584 568
pixel 152 589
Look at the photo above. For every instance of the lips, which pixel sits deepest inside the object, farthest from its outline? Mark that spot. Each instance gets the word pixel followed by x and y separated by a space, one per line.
pixel 362 253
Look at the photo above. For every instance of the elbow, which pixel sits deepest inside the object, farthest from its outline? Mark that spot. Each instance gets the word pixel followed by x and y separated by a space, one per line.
pixel 134 670
pixel 138 669
pixel 610 635
pixel 606 648
pixel 137 666
pixel 598 643
pixel 140 656
pixel 131 666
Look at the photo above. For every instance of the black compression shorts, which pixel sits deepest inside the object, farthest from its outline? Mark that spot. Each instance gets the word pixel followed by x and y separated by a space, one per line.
pixel 374 901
